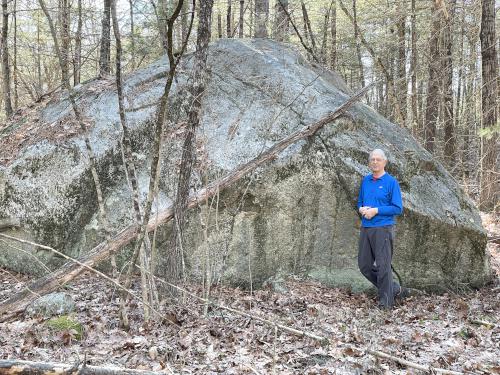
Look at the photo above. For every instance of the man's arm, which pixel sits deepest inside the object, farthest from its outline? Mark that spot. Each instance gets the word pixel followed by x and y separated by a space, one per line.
pixel 395 206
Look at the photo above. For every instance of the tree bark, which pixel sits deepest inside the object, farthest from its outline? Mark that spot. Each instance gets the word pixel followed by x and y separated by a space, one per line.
pixel 261 18
pixel 5 60
pixel 105 51
pixel 19 301
pixel 490 178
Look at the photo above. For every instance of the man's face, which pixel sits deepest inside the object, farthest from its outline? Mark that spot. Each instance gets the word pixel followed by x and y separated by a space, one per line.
pixel 377 163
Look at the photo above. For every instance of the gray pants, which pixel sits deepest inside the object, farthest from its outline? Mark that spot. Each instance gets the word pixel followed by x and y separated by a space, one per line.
pixel 374 261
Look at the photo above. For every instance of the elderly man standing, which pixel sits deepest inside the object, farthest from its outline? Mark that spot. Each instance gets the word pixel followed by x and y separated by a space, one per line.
pixel 378 203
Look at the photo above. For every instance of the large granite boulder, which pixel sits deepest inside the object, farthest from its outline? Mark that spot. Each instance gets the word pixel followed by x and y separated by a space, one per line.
pixel 295 215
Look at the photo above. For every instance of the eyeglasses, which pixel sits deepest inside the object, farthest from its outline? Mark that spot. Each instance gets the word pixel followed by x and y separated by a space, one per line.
pixel 376 160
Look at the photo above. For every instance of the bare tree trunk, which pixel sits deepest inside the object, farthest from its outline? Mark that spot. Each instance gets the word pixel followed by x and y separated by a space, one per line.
pixel 175 255
pixel 38 56
pixel 155 158
pixel 132 36
pixel 65 36
pixel 413 67
pixel 447 71
pixel 261 18
pixel 333 56
pixel 434 83
pixel 358 44
pixel 324 40
pixel 5 60
pixel 490 178
pixel 281 21
pixel 242 12
pixel 184 21
pixel 105 51
pixel 307 25
pixel 401 69
pixel 219 25
pixel 147 282
pixel 229 25
pixel 78 47
pixel 14 62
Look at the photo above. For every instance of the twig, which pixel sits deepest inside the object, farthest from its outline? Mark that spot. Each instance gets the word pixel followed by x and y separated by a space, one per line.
pixel 483 323
pixel 417 366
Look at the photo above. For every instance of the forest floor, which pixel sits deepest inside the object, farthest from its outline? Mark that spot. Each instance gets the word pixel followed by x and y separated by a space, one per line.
pixel 442 331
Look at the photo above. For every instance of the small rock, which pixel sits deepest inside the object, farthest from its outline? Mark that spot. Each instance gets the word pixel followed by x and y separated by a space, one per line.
pixel 52 304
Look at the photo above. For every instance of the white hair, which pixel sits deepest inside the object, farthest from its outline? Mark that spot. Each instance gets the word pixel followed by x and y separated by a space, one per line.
pixel 379 152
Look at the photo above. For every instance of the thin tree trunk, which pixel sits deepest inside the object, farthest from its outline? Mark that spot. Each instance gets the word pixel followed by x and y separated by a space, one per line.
pixel 414 67
pixel 105 51
pixel 65 36
pixel 324 40
pixel 154 166
pixel 175 255
pixel 184 21
pixel 261 18
pixel 5 60
pixel 447 71
pixel 38 56
pixel 333 55
pixel 147 283
pixel 490 177
pixel 307 24
pixel 219 25
pixel 358 44
pixel 242 12
pixel 132 36
pixel 401 70
pixel 78 47
pixel 14 62
pixel 229 25
pixel 434 83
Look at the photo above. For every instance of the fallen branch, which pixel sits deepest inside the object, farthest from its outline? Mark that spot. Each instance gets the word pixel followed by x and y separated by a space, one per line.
pixel 488 325
pixel 8 367
pixel 404 362
pixel 18 302
pixel 9 223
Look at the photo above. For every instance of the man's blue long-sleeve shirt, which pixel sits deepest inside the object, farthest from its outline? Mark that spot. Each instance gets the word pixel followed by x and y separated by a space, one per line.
pixel 383 193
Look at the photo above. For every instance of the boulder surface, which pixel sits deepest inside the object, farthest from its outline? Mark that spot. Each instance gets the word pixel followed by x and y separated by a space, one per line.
pixel 295 215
